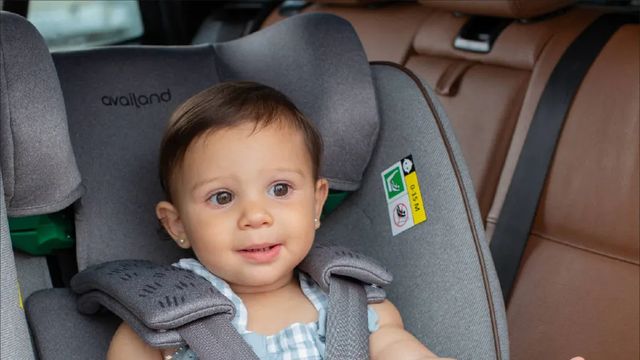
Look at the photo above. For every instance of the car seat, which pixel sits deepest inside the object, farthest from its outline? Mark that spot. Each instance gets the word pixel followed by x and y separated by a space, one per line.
pixel 38 173
pixel 371 116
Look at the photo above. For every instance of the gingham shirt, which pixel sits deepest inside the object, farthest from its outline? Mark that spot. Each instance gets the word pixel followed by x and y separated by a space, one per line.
pixel 297 342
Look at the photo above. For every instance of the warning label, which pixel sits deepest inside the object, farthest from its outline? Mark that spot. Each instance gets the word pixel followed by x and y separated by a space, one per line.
pixel 404 199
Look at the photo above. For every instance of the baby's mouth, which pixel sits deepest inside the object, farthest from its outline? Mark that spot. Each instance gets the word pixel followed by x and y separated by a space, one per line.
pixel 261 253
pixel 261 247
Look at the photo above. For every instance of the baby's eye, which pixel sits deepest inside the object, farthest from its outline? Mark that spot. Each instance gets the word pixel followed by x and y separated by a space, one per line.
pixel 221 198
pixel 280 189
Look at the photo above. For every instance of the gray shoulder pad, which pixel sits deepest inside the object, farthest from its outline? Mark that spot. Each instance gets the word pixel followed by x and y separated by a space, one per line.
pixel 323 262
pixel 153 299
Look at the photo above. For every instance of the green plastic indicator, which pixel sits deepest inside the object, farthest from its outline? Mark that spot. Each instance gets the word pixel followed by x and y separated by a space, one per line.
pixel 42 234
pixel 334 199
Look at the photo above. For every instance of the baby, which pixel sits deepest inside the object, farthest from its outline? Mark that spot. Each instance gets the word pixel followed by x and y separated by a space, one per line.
pixel 239 165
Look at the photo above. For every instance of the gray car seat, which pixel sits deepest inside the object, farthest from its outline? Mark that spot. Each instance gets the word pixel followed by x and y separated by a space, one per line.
pixel 38 173
pixel 370 115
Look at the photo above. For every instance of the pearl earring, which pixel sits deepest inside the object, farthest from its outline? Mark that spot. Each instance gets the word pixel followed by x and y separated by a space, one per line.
pixel 181 241
pixel 317 222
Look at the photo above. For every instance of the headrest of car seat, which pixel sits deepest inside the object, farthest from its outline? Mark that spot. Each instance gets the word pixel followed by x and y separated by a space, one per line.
pixel 517 9
pixel 119 100
pixel 317 60
pixel 38 167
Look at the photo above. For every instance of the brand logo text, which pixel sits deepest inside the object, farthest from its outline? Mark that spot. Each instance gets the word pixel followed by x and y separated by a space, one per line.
pixel 136 100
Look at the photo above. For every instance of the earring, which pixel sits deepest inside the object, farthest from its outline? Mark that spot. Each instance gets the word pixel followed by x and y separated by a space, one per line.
pixel 317 222
pixel 181 241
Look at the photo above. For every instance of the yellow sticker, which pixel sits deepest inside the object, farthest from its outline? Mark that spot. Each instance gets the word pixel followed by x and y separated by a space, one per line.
pixel 19 296
pixel 415 197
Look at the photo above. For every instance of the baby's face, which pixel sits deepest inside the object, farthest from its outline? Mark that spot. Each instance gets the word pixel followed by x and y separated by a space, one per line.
pixel 247 203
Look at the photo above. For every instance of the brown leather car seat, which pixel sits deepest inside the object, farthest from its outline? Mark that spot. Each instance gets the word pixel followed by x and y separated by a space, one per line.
pixel 577 291
pixel 483 93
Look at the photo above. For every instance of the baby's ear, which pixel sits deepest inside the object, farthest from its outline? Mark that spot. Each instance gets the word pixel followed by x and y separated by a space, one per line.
pixel 170 219
pixel 322 191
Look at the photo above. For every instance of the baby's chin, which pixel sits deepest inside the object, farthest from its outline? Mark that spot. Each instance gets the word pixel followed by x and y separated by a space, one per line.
pixel 261 280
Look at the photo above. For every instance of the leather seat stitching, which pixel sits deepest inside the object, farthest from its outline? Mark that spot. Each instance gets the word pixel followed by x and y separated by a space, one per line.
pixel 583 248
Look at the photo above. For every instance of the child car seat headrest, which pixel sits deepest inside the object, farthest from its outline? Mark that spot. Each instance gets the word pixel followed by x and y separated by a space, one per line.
pixel 119 100
pixel 317 61
pixel 39 171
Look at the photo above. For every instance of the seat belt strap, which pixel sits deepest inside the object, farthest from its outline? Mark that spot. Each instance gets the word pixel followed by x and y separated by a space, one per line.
pixel 352 280
pixel 214 338
pixel 347 330
pixel 520 205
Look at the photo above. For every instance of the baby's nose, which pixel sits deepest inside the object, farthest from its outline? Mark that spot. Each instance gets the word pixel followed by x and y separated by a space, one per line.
pixel 255 216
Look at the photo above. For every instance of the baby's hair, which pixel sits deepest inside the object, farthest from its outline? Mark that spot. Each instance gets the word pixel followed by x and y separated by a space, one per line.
pixel 227 105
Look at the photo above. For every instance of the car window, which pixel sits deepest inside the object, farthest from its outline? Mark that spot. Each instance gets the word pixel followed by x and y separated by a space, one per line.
pixel 69 25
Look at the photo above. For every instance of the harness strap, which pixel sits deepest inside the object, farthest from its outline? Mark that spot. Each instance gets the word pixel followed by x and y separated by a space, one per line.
pixel 214 338
pixel 352 280
pixel 168 306
pixel 347 331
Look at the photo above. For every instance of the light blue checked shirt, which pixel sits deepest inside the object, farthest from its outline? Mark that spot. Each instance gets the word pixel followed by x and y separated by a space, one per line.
pixel 297 342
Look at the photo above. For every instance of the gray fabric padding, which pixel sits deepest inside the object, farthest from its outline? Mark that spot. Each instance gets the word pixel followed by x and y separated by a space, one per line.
pixel 318 61
pixel 33 273
pixel 92 302
pixel 440 266
pixel 117 146
pixel 39 169
pixel 61 333
pixel 324 263
pixel 163 297
pixel 15 342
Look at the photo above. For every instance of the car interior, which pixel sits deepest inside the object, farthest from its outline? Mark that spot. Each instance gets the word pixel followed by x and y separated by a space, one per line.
pixel 467 89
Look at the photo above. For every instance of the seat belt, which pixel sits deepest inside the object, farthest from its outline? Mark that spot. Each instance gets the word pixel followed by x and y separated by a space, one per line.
pixel 520 205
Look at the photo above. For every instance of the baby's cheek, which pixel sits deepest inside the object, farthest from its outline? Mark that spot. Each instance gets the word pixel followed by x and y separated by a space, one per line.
pixel 217 264
pixel 304 242
pixel 209 251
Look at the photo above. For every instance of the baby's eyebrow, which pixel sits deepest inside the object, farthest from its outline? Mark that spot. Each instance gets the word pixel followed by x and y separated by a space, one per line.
pixel 204 182
pixel 291 170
